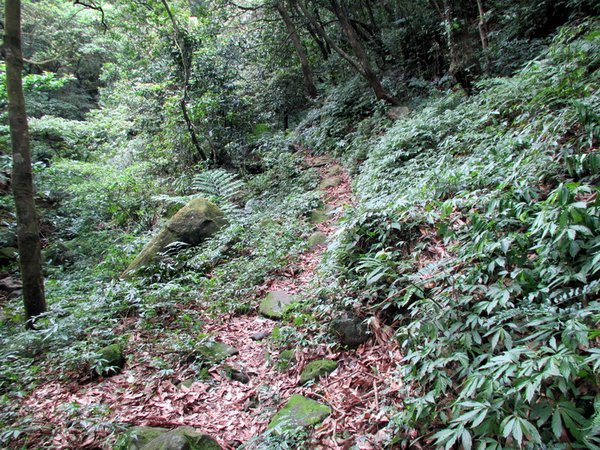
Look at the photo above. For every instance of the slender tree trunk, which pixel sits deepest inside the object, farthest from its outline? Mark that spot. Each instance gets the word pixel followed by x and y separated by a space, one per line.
pixel 482 25
pixel 321 43
pixel 30 255
pixel 483 35
pixel 463 65
pixel 361 63
pixel 186 64
pixel 363 59
pixel 306 70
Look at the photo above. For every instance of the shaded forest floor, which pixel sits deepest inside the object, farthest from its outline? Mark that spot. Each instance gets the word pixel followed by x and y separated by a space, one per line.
pixel 237 411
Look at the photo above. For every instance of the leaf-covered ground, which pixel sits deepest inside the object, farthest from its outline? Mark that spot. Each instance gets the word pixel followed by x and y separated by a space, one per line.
pixel 358 391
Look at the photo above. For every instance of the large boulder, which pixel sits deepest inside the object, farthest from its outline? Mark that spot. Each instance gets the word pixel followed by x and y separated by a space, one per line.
pixel 194 223
pixel 137 437
pixel 299 411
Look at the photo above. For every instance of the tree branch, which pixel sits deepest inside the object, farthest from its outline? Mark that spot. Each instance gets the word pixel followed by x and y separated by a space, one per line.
pixel 92 5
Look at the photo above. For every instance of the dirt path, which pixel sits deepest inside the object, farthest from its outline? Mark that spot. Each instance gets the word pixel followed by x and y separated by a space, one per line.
pixel 231 411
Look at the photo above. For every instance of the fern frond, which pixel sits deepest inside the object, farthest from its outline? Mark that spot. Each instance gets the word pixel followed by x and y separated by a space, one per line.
pixel 217 183
pixel 173 199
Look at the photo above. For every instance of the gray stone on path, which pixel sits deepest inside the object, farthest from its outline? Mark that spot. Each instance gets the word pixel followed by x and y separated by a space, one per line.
pixel 236 374
pixel 181 438
pixel 276 304
pixel 317 369
pixel 260 335
pixel 349 330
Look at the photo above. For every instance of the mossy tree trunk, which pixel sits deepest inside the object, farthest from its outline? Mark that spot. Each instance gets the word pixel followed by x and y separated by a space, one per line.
pixel 30 256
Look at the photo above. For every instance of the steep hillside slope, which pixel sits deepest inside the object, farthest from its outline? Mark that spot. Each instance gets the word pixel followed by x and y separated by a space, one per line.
pixel 476 238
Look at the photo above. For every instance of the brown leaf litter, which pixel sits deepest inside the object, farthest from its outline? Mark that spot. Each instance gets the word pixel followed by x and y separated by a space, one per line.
pixel 358 391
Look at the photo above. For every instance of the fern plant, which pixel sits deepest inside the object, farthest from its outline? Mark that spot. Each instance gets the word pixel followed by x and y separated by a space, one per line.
pixel 217 184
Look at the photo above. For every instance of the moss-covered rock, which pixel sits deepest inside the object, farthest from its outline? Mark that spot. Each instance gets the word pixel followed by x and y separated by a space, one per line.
pixel 320 214
pixel 236 374
pixel 349 330
pixel 182 438
pixel 330 182
pixel 275 304
pixel 137 437
pixel 110 361
pixel 299 411
pixel 215 352
pixel 316 239
pixel 317 369
pixel 286 359
pixel 334 170
pixel 194 223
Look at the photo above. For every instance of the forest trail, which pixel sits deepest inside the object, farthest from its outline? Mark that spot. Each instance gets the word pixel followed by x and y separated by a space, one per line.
pixel 236 409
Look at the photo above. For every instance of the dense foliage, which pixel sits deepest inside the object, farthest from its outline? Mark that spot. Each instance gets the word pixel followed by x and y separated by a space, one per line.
pixel 477 238
pixel 473 237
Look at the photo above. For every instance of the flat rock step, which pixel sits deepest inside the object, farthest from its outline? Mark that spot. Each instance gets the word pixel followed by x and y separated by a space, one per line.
pixel 276 304
pixel 153 438
pixel 319 161
pixel 299 411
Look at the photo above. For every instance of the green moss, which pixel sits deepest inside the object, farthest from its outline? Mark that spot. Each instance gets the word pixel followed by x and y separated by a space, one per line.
pixel 286 359
pixel 330 182
pixel 316 239
pixel 194 223
pixel 110 360
pixel 275 304
pixel 182 438
pixel 317 369
pixel 299 411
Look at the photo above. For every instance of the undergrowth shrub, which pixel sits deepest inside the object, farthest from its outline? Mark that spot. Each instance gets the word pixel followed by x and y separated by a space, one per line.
pixel 477 237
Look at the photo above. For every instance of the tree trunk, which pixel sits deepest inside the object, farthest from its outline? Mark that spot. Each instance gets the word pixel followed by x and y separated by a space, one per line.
pixel 463 65
pixel 363 59
pixel 482 26
pixel 306 70
pixel 30 255
pixel 186 63
pixel 361 63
